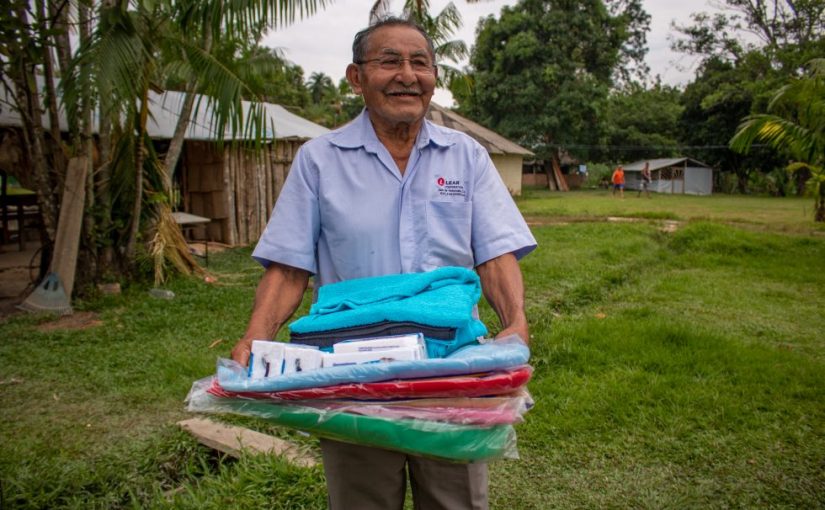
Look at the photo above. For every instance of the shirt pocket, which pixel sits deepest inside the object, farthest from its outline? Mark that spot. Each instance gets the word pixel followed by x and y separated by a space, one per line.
pixel 449 234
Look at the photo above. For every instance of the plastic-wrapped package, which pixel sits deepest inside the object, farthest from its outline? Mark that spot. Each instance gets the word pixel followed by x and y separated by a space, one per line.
pixel 472 359
pixel 474 385
pixel 445 440
pixel 463 410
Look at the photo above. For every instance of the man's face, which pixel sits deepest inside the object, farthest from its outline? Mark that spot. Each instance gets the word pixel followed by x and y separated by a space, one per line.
pixel 400 95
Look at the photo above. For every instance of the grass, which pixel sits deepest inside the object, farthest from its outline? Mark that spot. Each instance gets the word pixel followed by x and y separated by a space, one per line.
pixel 677 369
pixel 792 214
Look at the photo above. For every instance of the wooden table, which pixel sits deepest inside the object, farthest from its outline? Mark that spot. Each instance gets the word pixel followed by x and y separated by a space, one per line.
pixel 189 221
pixel 19 198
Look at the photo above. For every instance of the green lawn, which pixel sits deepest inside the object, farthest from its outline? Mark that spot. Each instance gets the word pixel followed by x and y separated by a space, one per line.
pixel 673 369
pixel 786 214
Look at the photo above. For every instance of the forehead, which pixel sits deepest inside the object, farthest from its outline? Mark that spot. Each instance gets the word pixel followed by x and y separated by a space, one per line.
pixel 399 39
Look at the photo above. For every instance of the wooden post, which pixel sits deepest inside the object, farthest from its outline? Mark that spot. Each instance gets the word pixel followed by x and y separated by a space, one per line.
pixel 67 238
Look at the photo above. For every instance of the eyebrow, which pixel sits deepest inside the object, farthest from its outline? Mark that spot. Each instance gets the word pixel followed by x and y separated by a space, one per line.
pixel 396 53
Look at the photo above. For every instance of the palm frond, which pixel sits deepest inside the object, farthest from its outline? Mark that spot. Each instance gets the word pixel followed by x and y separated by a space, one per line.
pixel 222 90
pixel 781 134
pixel 452 50
pixel 239 17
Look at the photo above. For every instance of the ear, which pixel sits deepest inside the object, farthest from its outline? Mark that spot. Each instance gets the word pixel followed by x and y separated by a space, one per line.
pixel 354 77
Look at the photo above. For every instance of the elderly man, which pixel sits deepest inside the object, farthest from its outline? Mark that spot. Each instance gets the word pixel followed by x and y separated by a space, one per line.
pixel 391 193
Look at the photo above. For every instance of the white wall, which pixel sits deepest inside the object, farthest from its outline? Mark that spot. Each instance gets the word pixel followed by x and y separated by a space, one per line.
pixel 698 181
pixel 509 167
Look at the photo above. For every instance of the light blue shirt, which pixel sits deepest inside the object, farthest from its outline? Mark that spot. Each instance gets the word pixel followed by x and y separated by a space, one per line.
pixel 346 211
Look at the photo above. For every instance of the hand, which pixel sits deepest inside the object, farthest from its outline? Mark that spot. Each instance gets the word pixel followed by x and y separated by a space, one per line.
pixel 516 329
pixel 240 353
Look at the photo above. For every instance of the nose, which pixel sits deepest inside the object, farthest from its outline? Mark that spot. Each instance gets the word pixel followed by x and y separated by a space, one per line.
pixel 405 73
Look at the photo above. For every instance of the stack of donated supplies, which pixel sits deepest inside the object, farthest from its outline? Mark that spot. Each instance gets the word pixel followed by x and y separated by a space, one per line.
pixel 402 367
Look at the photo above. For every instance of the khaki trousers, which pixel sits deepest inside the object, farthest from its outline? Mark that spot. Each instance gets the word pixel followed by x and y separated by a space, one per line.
pixel 364 478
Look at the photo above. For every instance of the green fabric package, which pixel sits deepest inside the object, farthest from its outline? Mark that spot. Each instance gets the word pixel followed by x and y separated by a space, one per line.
pixel 458 443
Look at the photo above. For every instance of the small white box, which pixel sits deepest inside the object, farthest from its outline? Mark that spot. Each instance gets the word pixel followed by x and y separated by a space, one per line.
pixel 301 358
pixel 383 343
pixel 266 359
pixel 333 359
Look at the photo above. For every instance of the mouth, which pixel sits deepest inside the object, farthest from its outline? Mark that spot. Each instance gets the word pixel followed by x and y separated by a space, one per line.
pixel 404 93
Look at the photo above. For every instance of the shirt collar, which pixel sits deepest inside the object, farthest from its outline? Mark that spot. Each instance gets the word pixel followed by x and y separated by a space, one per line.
pixel 360 133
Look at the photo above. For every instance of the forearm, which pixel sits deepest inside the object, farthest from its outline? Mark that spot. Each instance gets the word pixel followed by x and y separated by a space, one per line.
pixel 278 295
pixel 503 287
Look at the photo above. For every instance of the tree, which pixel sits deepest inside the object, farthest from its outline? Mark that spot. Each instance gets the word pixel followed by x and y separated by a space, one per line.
pixel 641 122
pixel 746 52
pixel 543 70
pixel 320 87
pixel 135 46
pixel 714 104
pixel 787 32
pixel 794 126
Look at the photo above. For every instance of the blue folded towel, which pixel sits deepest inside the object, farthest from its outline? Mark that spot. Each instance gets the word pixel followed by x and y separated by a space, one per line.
pixel 444 297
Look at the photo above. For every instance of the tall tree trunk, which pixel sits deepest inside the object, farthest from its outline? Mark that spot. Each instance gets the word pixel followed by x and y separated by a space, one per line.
pixel 103 171
pixel 170 161
pixel 59 12
pixel 140 156
pixel 27 97
pixel 87 263
pixel 58 159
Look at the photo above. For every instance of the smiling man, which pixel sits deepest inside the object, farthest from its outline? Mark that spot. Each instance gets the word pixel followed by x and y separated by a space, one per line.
pixel 391 193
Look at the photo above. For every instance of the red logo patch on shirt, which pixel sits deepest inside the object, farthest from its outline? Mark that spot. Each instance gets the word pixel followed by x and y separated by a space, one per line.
pixel 441 181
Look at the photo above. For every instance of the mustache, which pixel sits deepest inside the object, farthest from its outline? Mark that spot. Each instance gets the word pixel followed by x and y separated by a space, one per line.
pixel 412 91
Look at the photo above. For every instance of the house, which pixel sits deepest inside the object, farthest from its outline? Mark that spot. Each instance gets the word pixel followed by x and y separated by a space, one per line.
pixel 507 156
pixel 232 185
pixel 672 175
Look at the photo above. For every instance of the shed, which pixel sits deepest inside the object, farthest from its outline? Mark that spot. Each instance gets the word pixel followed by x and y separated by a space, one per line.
pixel 672 175
pixel 507 156
pixel 234 187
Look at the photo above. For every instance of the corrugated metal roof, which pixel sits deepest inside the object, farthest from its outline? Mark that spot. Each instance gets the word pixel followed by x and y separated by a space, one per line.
pixel 490 140
pixel 656 164
pixel 164 111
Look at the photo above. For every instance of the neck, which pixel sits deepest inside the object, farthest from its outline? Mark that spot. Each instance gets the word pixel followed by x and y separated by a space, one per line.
pixel 398 139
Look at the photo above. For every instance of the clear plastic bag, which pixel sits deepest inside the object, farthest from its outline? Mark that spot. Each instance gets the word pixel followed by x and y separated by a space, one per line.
pixel 474 385
pixel 438 439
pixel 472 359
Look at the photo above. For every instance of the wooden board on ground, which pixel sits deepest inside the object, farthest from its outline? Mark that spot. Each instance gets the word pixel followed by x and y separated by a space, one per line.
pixel 231 440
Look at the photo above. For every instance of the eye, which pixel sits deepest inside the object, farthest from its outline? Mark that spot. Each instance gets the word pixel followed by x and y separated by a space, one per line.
pixel 420 64
pixel 390 63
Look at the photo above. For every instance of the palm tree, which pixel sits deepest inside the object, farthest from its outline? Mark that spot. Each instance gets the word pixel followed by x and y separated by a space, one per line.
pixel 320 87
pixel 794 125
pixel 135 48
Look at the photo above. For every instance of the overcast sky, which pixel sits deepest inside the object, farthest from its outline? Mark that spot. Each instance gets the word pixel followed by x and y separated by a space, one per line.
pixel 323 42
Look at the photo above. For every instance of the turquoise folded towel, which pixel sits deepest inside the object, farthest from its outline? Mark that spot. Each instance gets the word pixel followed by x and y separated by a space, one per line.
pixel 444 297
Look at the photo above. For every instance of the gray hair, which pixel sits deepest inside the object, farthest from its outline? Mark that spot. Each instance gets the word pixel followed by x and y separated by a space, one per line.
pixel 359 44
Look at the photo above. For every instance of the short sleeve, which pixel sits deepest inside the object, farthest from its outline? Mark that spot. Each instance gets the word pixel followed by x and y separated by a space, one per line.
pixel 498 226
pixel 291 235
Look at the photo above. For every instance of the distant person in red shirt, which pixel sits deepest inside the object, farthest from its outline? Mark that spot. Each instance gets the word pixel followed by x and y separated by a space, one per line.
pixel 618 181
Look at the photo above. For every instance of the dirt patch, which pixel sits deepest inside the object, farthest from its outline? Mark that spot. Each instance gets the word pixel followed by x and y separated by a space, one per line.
pixel 668 226
pixel 78 320
pixel 198 248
